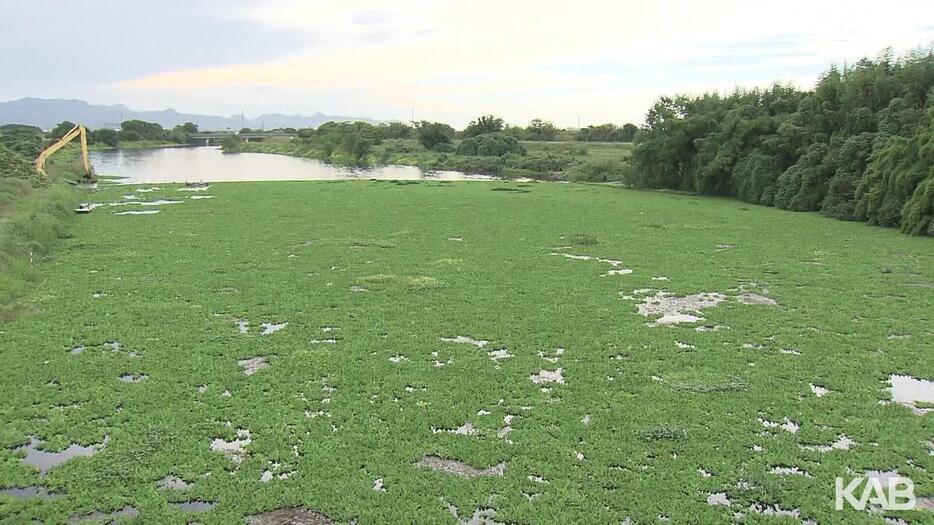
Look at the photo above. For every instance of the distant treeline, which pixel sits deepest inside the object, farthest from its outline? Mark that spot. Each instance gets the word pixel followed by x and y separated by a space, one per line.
pixel 28 141
pixel 859 146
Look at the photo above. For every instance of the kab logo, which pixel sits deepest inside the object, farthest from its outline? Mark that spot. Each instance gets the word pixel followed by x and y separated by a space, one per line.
pixel 885 493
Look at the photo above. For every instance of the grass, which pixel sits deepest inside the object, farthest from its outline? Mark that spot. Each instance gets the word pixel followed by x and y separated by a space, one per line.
pixel 33 218
pixel 138 144
pixel 353 391
pixel 580 161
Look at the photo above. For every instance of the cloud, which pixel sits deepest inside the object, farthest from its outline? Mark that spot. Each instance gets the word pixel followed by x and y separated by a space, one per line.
pixel 524 59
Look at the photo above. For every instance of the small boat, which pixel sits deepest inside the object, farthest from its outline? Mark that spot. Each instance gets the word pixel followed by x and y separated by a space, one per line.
pixel 84 207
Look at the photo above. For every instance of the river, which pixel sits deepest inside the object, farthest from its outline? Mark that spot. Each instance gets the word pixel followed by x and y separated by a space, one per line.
pixel 210 164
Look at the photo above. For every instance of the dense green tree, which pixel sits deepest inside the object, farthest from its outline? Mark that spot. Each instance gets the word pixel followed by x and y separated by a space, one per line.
pixel 61 129
pixel 107 137
pixel 608 133
pixel 483 125
pixel 396 130
pixel 24 140
pixel 490 145
pixel 142 129
pixel 857 146
pixel 540 129
pixel 433 134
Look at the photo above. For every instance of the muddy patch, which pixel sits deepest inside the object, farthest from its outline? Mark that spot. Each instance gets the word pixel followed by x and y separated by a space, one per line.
pixel 173 483
pixel 842 443
pixel 480 516
pixel 137 212
pixel 467 429
pixel 548 376
pixel 756 299
pixel 465 340
pixel 29 493
pixel 105 517
pixel 289 516
pixel 254 364
pixel 271 328
pixel 787 425
pixel 236 449
pixel 193 187
pixel 818 390
pixel 916 394
pixel 719 499
pixel 499 354
pixel 194 506
pixel 45 460
pixel 669 309
pixel 459 468
pixel 789 471
pixel 612 262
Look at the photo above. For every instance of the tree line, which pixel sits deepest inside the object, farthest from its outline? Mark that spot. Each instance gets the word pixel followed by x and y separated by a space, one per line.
pixel 858 146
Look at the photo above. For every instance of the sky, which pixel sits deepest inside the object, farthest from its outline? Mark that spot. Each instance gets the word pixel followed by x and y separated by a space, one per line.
pixel 584 62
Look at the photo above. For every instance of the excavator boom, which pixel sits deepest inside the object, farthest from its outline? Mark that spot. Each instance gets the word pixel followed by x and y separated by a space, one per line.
pixel 78 131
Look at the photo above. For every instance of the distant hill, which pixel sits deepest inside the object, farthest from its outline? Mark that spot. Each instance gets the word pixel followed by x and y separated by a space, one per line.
pixel 46 113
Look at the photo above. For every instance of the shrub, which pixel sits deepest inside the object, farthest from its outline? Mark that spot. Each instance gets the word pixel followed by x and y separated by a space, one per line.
pixel 490 145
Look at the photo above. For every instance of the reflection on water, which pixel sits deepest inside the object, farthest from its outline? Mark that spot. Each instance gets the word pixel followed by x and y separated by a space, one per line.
pixel 209 164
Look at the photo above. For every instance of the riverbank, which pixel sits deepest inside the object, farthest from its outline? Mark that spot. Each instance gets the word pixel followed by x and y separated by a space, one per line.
pixel 575 161
pixel 138 144
pixel 35 215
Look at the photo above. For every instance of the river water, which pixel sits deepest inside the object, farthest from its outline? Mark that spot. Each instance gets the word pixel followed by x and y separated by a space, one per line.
pixel 209 164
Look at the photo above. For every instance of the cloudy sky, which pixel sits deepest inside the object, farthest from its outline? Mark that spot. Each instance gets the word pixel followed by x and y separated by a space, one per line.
pixel 593 60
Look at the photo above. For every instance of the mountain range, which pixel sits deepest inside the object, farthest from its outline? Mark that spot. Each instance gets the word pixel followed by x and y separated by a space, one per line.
pixel 46 113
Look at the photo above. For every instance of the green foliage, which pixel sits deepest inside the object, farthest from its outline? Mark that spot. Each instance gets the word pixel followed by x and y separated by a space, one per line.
pixel 25 140
pixel 853 147
pixel 803 186
pixel 540 129
pixel 141 130
pixel 61 129
pixel 483 126
pixel 896 187
pixel 107 137
pixel 373 365
pixel 15 166
pixel 432 134
pixel 608 133
pixel 34 214
pixel 396 130
pixel 490 145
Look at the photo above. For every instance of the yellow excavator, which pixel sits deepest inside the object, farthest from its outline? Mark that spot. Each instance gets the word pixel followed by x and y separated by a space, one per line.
pixel 76 132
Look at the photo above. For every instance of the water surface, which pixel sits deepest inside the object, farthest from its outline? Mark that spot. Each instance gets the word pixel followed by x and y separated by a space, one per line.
pixel 210 164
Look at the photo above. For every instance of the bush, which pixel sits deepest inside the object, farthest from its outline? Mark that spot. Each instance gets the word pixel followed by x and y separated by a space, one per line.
pixel 25 140
pixel 598 171
pixel 431 134
pixel 490 145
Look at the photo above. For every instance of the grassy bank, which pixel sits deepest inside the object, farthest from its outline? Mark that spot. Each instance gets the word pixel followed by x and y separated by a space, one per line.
pixel 138 144
pixel 464 321
pixel 543 160
pixel 33 218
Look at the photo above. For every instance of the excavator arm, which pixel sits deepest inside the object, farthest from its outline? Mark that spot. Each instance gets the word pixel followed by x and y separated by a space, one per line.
pixel 77 131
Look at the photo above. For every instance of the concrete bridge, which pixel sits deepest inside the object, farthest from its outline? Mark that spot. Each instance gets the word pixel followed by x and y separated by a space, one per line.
pixel 214 137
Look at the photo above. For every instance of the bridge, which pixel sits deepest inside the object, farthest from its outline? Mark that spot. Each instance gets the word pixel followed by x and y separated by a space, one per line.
pixel 214 137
